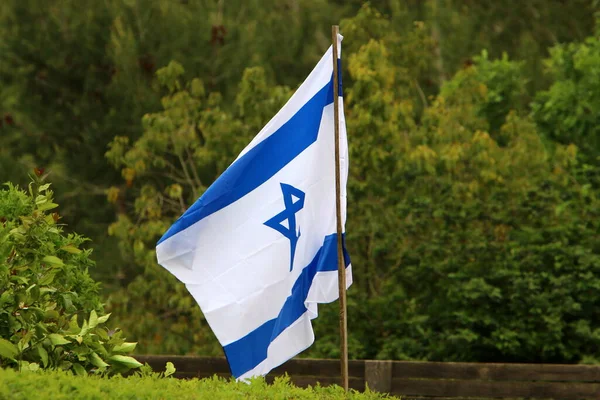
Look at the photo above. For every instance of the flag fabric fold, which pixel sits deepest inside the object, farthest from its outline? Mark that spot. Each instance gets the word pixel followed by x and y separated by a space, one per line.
pixel 257 250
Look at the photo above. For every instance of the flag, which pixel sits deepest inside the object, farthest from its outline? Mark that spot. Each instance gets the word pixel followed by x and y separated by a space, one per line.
pixel 258 250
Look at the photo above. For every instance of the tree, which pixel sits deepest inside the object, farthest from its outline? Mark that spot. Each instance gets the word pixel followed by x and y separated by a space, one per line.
pixel 474 242
pixel 565 112
pixel 182 150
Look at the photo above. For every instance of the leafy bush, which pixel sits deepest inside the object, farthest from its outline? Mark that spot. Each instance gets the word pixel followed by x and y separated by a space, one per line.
pixel 568 111
pixel 50 311
pixel 59 386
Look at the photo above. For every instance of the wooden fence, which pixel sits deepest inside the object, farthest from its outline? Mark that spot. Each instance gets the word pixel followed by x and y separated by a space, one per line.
pixel 427 380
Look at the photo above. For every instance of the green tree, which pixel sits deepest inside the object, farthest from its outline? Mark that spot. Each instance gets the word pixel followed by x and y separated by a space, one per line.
pixel 565 113
pixel 474 242
pixel 182 150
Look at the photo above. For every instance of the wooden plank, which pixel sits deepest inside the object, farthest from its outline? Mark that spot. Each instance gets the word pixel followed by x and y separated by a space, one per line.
pixel 209 365
pixel 320 367
pixel 470 388
pixel 496 372
pixel 297 366
pixel 378 375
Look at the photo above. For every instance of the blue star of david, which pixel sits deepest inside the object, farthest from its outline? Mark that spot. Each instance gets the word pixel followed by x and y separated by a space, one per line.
pixel 289 215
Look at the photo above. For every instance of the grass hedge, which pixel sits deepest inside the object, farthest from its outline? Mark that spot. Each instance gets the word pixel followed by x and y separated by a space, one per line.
pixel 58 385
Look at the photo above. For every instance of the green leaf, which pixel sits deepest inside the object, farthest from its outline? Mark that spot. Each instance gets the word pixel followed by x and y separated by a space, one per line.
pixel 73 325
pixel 28 366
pixel 57 339
pixel 41 199
pixel 43 355
pixel 6 298
pixel 103 318
pixel 169 369
pixel 33 367
pixel 33 294
pixel 99 348
pixel 68 303
pixel 7 349
pixel 85 328
pixel 102 334
pixel 93 322
pixel 116 338
pixel 79 370
pixel 126 347
pixel 47 206
pixel 97 361
pixel 47 290
pixel 48 278
pixel 24 342
pixel 71 249
pixel 41 328
pixel 125 360
pixel 53 260
pixel 19 279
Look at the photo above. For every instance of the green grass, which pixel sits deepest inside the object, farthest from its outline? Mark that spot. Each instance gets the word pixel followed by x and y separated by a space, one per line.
pixel 57 385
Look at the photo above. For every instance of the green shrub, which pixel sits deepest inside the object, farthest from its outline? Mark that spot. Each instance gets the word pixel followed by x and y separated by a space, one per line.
pixel 50 310
pixel 60 385
pixel 568 111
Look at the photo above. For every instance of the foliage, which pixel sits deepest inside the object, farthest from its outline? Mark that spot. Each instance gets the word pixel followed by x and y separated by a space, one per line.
pixel 50 310
pixel 566 112
pixel 59 385
pixel 473 246
pixel 183 149
pixel 503 90
pixel 76 73
pixel 524 30
pixel 472 225
pixel 456 210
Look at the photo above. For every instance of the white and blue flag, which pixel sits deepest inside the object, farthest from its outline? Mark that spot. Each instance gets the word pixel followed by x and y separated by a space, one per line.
pixel 258 250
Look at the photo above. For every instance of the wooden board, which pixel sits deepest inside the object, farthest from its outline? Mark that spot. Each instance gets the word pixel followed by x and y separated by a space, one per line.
pixel 421 379
pixel 298 366
pixel 209 365
pixel 324 368
pixel 496 372
pixel 470 388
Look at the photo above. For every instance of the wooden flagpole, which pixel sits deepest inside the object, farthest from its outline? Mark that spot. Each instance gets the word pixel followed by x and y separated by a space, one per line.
pixel 340 252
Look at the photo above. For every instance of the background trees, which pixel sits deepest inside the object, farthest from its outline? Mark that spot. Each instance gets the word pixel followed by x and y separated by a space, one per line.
pixel 473 190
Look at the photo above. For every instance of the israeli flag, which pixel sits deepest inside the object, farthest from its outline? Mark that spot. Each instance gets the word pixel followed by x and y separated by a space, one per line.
pixel 258 250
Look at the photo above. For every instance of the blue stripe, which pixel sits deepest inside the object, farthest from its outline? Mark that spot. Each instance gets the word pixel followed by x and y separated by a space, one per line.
pixel 259 164
pixel 246 353
pixel 340 88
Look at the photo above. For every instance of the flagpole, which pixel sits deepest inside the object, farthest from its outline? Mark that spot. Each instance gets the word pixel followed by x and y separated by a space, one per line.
pixel 340 252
